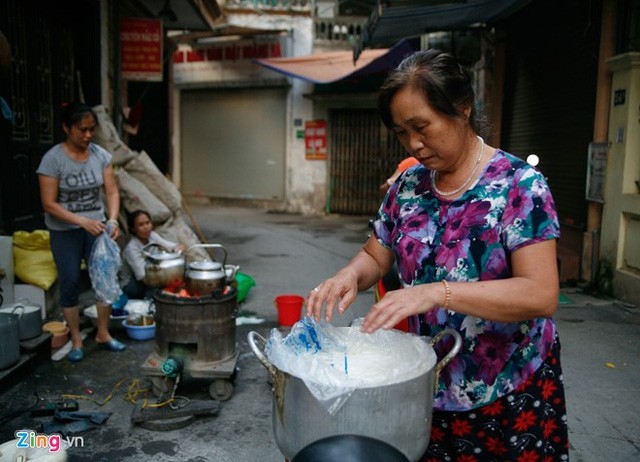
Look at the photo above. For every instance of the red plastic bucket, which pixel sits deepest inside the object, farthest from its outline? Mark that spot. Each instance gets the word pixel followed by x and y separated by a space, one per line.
pixel 289 309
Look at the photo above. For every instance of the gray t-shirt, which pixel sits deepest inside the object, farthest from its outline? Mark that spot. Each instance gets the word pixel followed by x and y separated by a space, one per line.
pixel 80 187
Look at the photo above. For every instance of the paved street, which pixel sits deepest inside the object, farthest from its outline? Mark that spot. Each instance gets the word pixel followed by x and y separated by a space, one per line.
pixel 290 254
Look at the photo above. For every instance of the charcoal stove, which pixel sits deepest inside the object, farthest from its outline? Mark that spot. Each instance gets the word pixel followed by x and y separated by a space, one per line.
pixel 201 332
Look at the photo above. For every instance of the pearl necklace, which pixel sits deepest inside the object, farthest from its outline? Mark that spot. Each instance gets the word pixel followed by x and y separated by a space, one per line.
pixel 466 182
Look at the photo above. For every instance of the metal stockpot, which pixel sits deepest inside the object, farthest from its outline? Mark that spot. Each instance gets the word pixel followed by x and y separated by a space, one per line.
pixel 204 277
pixel 29 318
pixel 9 340
pixel 162 267
pixel 398 414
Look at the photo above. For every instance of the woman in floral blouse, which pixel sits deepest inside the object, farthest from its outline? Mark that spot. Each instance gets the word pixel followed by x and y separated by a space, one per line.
pixel 473 231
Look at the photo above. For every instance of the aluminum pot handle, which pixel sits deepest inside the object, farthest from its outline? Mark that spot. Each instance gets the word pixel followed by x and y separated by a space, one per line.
pixel 211 246
pixel 454 351
pixel 151 256
pixel 19 307
pixel 254 339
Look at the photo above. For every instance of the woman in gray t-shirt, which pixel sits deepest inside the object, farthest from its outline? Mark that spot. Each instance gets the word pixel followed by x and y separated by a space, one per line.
pixel 80 198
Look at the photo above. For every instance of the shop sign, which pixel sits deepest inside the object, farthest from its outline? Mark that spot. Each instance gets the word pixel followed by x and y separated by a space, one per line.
pixel 141 49
pixel 315 139
pixel 597 169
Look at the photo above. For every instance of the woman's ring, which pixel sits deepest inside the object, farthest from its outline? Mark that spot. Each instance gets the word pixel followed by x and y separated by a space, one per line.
pixel 315 289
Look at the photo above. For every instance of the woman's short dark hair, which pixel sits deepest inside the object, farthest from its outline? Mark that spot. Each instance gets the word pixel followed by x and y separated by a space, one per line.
pixel 444 82
pixel 72 113
pixel 134 215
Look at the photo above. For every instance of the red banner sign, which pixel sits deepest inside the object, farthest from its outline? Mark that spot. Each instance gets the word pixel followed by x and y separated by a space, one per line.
pixel 315 139
pixel 141 49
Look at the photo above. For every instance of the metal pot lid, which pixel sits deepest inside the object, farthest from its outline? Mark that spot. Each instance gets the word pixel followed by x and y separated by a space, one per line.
pixel 205 265
pixel 163 255
pixel 19 308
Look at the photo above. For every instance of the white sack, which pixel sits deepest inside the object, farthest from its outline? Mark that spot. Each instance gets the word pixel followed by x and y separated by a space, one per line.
pixel 107 137
pixel 177 230
pixel 145 170
pixel 136 196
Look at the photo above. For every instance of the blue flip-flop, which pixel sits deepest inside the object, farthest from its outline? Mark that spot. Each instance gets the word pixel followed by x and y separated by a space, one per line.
pixel 113 345
pixel 75 355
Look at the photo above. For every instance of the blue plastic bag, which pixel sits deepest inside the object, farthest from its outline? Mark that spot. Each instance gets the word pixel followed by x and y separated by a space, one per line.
pixel 104 264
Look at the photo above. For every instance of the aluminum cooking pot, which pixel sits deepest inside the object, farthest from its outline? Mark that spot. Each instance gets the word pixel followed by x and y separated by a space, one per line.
pixel 162 267
pixel 205 277
pixel 9 340
pixel 398 414
pixel 29 318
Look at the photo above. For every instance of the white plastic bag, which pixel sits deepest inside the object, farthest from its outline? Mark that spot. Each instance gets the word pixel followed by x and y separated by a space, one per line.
pixel 311 352
pixel 104 263
pixel 335 361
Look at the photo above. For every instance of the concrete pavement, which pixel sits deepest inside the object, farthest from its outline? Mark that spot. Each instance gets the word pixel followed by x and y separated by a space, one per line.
pixel 290 254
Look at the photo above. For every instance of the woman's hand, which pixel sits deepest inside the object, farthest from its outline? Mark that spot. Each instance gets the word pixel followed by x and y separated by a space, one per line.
pixel 93 227
pixel 338 291
pixel 115 232
pixel 399 304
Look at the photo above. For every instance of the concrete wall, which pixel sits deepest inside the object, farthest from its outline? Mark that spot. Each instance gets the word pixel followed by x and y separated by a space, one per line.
pixel 306 180
pixel 620 241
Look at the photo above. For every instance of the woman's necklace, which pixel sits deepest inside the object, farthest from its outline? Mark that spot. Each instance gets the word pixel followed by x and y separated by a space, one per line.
pixel 466 182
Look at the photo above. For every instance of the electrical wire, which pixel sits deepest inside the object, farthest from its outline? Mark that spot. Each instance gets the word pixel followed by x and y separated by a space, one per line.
pixel 134 390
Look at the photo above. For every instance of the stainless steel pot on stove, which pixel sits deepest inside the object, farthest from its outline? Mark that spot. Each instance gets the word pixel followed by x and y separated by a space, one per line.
pixel 204 277
pixel 398 414
pixel 162 267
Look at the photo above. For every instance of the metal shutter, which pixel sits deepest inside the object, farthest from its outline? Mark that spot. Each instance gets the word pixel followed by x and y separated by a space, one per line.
pixel 550 86
pixel 363 154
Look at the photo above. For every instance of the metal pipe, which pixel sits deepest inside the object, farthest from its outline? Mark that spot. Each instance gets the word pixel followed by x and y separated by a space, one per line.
pixel 595 253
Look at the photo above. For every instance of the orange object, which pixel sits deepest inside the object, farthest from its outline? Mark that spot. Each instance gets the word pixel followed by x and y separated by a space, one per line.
pixel 406 163
pixel 289 309
pixel 60 338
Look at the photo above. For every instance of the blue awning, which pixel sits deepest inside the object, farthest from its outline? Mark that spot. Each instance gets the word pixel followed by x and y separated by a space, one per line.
pixel 392 21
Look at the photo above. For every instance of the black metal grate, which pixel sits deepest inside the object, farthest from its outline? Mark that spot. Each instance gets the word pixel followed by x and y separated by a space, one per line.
pixel 363 153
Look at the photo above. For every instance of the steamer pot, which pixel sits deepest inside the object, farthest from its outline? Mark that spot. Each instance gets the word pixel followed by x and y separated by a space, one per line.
pixel 162 267
pixel 9 340
pixel 398 414
pixel 30 318
pixel 204 277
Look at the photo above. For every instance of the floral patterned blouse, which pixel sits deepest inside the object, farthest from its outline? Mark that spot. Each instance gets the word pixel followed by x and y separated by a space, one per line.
pixel 471 239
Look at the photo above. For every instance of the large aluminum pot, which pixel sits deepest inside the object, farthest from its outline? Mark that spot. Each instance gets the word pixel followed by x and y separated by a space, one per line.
pixel 30 318
pixel 162 268
pixel 398 414
pixel 9 340
pixel 204 277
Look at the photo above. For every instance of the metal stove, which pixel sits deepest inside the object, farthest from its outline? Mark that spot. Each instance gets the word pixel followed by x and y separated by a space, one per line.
pixel 198 332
